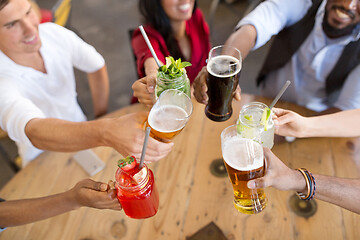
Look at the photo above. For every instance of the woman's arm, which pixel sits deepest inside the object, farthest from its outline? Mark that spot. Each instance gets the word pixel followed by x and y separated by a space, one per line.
pixel 87 193
pixel 144 88
pixel 340 124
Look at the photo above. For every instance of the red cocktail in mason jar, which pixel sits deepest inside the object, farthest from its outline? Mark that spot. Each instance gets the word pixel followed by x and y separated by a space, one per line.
pixel 136 191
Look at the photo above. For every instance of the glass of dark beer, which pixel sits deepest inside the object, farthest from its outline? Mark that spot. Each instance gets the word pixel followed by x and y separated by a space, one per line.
pixel 224 65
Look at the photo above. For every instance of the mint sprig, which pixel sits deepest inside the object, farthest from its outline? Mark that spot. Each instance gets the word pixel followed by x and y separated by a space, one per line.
pixel 173 69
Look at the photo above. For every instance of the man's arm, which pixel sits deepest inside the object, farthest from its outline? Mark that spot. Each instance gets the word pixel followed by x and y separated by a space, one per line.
pixel 339 191
pixel 243 39
pixel 65 136
pixel 99 87
pixel 342 192
pixel 125 134
pixel 85 193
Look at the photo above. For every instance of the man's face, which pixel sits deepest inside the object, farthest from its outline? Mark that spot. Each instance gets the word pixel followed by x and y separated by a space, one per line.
pixel 19 28
pixel 341 16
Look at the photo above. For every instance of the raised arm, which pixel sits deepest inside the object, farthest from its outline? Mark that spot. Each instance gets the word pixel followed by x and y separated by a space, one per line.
pixel 342 192
pixel 243 39
pixel 87 193
pixel 340 124
pixel 99 87
pixel 150 66
pixel 144 88
pixel 125 134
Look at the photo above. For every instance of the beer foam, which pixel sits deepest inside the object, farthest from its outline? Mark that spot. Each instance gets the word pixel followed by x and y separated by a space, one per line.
pixel 167 118
pixel 242 154
pixel 219 64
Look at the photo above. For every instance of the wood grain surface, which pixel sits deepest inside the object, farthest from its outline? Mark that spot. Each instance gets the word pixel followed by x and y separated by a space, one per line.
pixel 190 196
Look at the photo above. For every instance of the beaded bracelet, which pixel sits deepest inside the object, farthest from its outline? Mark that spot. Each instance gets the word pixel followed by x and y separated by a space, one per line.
pixel 300 194
pixel 310 185
pixel 314 187
pixel 308 175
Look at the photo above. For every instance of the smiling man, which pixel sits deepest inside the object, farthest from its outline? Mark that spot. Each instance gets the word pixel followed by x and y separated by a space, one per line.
pixel 316 46
pixel 38 98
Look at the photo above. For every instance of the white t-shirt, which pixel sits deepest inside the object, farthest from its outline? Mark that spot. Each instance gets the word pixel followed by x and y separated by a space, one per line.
pixel 313 61
pixel 26 93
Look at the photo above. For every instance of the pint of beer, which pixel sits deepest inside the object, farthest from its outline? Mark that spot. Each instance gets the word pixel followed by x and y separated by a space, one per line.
pixel 244 161
pixel 223 68
pixel 169 115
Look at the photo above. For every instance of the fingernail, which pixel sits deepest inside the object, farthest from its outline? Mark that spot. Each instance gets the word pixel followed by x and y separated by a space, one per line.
pixel 251 185
pixel 103 187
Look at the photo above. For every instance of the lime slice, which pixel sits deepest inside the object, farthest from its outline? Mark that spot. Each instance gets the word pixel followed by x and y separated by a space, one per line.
pixel 245 131
pixel 265 118
pixel 249 118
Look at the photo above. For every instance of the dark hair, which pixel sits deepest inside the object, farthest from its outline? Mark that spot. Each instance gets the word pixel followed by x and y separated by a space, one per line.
pixel 3 3
pixel 154 14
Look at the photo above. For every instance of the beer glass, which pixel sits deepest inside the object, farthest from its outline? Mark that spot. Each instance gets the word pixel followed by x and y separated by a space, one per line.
pixel 169 115
pixel 244 161
pixel 250 125
pixel 224 65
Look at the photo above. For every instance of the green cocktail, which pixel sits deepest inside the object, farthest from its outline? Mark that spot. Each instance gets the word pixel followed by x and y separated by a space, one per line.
pixel 172 76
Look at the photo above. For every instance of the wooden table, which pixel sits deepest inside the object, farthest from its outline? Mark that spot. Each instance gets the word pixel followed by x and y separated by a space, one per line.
pixel 190 196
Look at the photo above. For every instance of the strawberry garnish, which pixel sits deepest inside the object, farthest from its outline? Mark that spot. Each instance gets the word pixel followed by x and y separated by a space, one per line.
pixel 127 163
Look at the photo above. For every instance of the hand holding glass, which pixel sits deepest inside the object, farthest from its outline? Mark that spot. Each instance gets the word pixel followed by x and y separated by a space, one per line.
pixel 137 192
pixel 224 65
pixel 244 161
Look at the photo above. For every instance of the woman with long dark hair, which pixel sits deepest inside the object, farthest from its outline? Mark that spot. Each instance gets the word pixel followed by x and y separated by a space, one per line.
pixel 175 28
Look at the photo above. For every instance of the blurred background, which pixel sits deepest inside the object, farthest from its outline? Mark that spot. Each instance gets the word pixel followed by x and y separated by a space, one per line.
pixel 105 25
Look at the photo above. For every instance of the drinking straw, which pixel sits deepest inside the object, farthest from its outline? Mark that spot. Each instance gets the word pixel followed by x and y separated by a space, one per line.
pixel 278 96
pixel 149 45
pixel 147 133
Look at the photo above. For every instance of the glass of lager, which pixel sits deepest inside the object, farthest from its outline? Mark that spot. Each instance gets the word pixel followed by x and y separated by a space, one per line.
pixel 244 160
pixel 224 65
pixel 169 115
